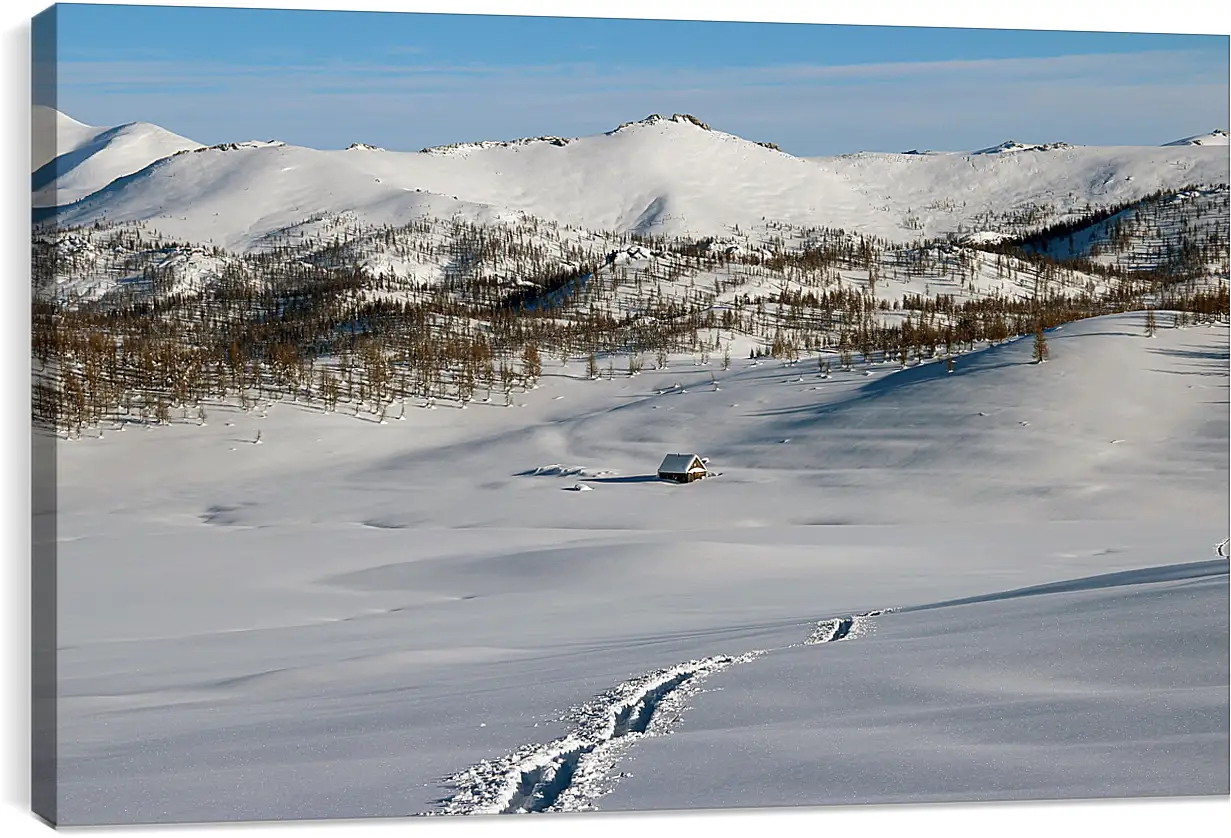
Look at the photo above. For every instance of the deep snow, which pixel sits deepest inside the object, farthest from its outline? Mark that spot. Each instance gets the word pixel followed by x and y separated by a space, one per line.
pixel 336 621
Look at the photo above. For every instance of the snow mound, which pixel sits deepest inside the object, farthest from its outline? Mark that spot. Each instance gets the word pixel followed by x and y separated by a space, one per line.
pixel 558 470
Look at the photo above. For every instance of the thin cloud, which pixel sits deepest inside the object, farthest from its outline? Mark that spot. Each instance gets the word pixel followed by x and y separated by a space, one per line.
pixel 802 107
pixel 171 73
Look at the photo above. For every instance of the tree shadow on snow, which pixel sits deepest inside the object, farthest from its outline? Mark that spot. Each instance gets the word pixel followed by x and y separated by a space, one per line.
pixel 896 380
pixel 1214 355
pixel 1220 374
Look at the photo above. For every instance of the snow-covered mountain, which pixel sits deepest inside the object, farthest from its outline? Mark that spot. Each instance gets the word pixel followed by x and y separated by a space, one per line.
pixel 932 194
pixel 657 175
pixel 87 158
pixel 67 134
pixel 237 193
pixel 666 175
pixel 1215 137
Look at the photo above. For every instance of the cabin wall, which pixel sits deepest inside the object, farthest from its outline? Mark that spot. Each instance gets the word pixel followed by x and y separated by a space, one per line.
pixel 681 478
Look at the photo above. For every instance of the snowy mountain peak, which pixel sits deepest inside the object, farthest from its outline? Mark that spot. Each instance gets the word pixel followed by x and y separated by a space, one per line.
pixel 655 118
pixel 559 142
pixel 1011 146
pixel 1216 137
pixel 73 159
pixel 45 114
pixel 363 147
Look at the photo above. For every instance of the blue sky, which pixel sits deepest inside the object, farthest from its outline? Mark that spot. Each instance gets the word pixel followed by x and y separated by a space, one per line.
pixel 404 81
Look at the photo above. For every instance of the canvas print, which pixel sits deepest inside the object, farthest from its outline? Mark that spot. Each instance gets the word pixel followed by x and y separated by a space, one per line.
pixel 447 415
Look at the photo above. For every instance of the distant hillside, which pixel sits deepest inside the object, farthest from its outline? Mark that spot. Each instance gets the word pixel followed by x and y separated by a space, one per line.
pixel 1216 137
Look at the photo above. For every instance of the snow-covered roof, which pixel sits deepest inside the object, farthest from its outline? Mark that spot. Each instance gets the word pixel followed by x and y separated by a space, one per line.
pixel 680 463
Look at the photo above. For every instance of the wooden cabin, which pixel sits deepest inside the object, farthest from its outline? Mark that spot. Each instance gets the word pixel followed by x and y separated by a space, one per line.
pixel 682 468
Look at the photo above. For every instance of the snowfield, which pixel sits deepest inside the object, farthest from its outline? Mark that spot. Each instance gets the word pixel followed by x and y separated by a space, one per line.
pixel 999 583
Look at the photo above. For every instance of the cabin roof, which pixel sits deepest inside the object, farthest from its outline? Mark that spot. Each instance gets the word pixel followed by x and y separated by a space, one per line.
pixel 681 463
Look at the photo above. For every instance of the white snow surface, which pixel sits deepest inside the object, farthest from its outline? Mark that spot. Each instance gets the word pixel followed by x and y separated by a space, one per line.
pixel 659 175
pixel 1104 686
pixel 355 619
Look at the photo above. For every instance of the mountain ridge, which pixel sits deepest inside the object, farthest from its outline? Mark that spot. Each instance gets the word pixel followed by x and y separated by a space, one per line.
pixel 659 175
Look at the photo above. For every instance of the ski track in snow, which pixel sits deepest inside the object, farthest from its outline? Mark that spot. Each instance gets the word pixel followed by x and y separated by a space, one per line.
pixel 570 773
pixel 567 774
pixel 843 628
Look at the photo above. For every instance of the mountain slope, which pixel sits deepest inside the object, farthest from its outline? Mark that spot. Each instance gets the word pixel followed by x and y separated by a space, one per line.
pixel 657 176
pixel 1217 137
pixel 88 158
pixel 237 194
pixel 653 176
pixel 65 133
pixel 1019 186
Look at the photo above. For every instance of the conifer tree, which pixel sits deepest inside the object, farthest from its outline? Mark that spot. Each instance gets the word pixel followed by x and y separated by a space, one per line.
pixel 532 364
pixel 1040 346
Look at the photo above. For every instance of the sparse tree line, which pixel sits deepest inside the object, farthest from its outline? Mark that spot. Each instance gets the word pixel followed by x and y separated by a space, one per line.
pixel 303 321
pixel 1170 236
pixel 312 335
